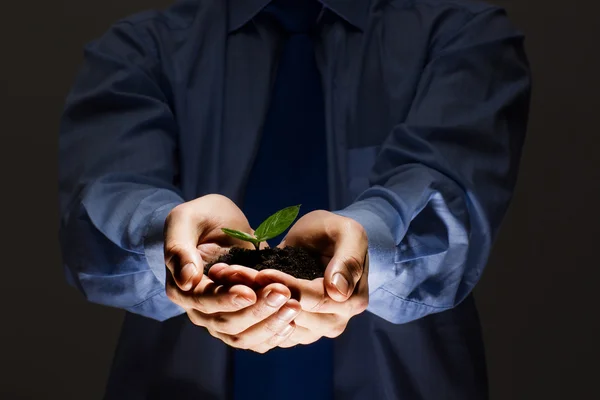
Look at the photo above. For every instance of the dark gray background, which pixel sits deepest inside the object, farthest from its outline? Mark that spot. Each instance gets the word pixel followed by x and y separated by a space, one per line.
pixel 538 293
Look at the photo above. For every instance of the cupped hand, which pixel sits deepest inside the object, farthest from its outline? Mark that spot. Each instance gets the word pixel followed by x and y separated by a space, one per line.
pixel 234 312
pixel 341 243
pixel 327 303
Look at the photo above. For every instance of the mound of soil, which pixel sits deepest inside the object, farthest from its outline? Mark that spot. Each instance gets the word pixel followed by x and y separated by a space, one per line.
pixel 294 261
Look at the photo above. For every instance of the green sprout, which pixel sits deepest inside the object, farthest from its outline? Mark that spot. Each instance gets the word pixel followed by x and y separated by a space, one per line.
pixel 272 227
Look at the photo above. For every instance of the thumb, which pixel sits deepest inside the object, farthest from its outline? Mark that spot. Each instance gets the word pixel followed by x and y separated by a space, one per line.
pixel 347 265
pixel 181 254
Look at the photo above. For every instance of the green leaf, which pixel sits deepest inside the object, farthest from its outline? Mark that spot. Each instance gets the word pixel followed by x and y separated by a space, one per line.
pixel 277 223
pixel 240 235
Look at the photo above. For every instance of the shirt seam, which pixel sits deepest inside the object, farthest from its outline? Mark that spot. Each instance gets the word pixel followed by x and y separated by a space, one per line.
pixel 413 301
pixel 151 296
pixel 85 274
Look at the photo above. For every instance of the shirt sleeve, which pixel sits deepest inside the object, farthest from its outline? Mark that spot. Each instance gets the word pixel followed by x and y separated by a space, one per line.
pixel 117 168
pixel 443 178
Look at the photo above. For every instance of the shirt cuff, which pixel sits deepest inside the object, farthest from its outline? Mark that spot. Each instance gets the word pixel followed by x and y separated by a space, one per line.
pixel 379 219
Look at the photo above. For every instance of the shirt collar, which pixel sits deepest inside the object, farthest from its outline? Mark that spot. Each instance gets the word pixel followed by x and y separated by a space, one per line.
pixel 355 12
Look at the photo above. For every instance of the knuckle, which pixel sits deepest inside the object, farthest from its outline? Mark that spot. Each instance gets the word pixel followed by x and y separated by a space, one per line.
pixel 172 253
pixel 275 340
pixel 213 333
pixel 225 302
pixel 309 339
pixel 172 249
pixel 179 211
pixel 260 350
pixel 362 304
pixel 217 198
pixel 237 341
pixel 260 311
pixel 286 334
pixel 221 323
pixel 274 327
pixel 196 320
pixel 336 330
pixel 357 227
pixel 225 325
pixel 357 305
pixel 362 233
pixel 283 334
pixel 291 341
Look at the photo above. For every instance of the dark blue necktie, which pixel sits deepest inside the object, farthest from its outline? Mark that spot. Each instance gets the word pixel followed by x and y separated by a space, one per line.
pixel 290 168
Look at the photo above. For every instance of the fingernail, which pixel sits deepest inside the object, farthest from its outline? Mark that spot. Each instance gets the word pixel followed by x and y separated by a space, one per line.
pixel 187 273
pixel 286 331
pixel 287 313
pixel 340 283
pixel 275 299
pixel 242 301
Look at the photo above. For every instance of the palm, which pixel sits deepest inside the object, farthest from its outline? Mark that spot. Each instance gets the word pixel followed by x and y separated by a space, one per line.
pixel 310 233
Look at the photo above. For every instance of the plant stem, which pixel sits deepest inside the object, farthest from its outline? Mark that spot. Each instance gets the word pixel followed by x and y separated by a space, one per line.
pixel 257 245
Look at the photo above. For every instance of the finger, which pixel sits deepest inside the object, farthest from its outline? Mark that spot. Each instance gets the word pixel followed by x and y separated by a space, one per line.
pixel 278 322
pixel 211 251
pixel 310 294
pixel 360 300
pixel 276 340
pixel 261 332
pixel 287 344
pixel 225 274
pixel 302 335
pixel 208 297
pixel 270 300
pixel 182 230
pixel 322 324
pixel 347 265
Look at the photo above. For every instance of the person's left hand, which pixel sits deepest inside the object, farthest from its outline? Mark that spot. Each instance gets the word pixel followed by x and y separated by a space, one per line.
pixel 327 303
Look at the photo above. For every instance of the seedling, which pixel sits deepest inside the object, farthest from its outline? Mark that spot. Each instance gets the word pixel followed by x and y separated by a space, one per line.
pixel 293 260
pixel 272 227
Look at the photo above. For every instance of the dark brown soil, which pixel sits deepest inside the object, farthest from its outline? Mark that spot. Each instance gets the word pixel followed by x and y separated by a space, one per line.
pixel 294 261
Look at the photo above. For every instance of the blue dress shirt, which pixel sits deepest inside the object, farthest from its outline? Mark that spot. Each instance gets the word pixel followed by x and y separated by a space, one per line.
pixel 426 107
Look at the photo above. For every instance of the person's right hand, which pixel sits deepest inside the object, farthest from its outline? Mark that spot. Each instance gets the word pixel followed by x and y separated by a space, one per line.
pixel 253 318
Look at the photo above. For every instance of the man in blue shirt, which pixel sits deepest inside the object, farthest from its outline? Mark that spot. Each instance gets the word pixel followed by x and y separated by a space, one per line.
pixel 402 133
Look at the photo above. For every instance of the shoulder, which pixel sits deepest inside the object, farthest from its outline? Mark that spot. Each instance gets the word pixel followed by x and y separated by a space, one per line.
pixel 180 15
pixel 144 34
pixel 439 21
pixel 436 13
